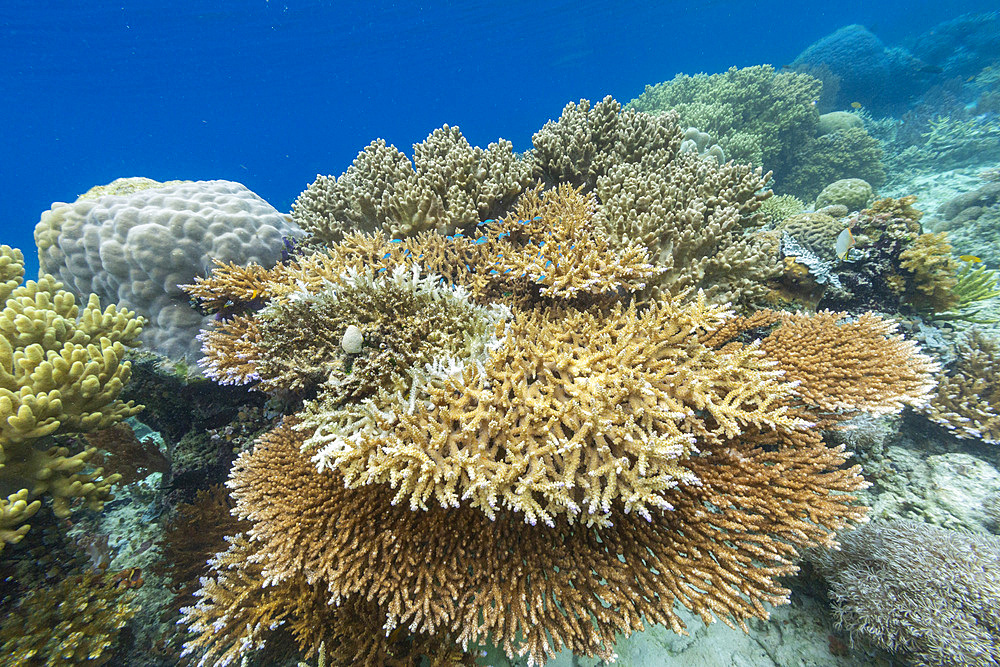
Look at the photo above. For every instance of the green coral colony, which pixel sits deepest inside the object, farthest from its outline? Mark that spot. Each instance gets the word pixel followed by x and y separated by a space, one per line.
pixel 530 402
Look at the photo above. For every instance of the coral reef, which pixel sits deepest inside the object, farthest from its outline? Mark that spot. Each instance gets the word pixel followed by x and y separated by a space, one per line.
pixel 135 246
pixel 565 455
pixel 756 114
pixel 853 193
pixel 972 221
pixel 68 623
pixel 779 207
pixel 967 401
pixel 926 593
pixel 934 271
pixel 61 371
pixel 450 186
pixel 849 153
pixel 862 68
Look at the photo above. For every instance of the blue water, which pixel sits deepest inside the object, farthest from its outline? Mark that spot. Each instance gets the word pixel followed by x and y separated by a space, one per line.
pixel 270 93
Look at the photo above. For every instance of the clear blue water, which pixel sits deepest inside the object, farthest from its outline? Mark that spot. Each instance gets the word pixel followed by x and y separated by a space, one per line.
pixel 270 93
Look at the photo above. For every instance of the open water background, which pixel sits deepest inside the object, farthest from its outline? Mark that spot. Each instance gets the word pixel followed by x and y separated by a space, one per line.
pixel 270 93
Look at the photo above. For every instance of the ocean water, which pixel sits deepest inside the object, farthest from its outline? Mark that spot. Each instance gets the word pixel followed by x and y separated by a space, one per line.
pixel 270 94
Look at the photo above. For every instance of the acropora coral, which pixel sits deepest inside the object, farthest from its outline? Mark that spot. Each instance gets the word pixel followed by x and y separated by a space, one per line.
pixel 645 191
pixel 61 371
pixel 967 399
pixel 567 458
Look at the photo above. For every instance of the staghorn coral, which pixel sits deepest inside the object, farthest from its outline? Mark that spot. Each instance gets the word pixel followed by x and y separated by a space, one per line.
pixel 827 354
pixel 927 594
pixel 61 371
pixel 601 454
pixel 696 238
pixel 536 589
pixel 239 609
pixel 449 186
pixel 967 401
pixel 73 621
pixel 440 570
pixel 693 215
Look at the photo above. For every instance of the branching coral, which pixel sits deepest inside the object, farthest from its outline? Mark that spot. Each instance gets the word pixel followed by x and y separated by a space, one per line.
pixel 72 622
pixel 239 609
pixel 925 593
pixel 449 186
pixel 61 371
pixel 575 463
pixel 934 271
pixel 571 414
pixel 967 401
pixel 758 115
pixel 693 216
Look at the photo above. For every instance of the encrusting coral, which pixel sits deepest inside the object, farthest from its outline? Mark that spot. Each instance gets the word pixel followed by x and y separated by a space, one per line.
pixel 61 371
pixel 579 455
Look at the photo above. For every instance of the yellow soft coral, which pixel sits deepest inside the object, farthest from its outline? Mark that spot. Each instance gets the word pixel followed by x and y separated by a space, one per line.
pixel 61 371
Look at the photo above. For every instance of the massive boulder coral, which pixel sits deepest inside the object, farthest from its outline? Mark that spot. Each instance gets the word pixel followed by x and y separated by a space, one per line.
pixel 597 457
pixel 61 371
pixel 134 243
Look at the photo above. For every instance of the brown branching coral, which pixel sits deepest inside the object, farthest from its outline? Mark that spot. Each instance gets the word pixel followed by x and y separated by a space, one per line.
pixel 579 453
pixel 68 623
pixel 125 455
pixel 572 413
pixel 195 533
pixel 934 271
pixel 240 608
pixel 846 365
pixel 535 590
pixel 588 140
pixel 967 401
pixel 694 216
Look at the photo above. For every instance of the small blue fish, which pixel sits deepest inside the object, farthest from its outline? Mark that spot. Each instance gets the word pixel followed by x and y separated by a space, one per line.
pixel 481 240
pixel 387 255
pixel 395 240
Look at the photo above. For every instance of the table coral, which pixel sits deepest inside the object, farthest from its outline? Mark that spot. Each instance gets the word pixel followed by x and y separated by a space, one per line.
pixel 61 371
